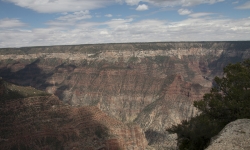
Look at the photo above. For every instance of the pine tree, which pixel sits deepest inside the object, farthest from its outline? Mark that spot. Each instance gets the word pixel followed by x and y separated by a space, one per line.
pixel 228 100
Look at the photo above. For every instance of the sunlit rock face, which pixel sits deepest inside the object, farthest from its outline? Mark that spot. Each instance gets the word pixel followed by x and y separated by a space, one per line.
pixel 151 84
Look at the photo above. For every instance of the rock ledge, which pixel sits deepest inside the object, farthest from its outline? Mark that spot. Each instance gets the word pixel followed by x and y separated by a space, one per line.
pixel 234 136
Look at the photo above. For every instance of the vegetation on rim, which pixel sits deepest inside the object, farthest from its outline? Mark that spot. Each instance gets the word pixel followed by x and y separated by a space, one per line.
pixel 10 91
pixel 228 100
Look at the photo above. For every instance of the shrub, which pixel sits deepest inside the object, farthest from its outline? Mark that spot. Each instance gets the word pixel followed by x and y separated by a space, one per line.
pixel 228 100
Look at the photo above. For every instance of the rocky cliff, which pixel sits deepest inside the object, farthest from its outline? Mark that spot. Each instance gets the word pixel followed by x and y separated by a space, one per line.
pixel 151 84
pixel 234 136
pixel 42 121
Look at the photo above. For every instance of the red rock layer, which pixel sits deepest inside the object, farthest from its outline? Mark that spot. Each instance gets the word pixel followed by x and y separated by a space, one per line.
pixel 46 123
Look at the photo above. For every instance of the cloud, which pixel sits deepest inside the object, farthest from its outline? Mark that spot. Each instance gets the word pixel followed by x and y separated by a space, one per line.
pixel 59 23
pixel 69 19
pixel 133 2
pixel 129 30
pixel 236 2
pixel 54 6
pixel 79 15
pixel 202 14
pixel 184 11
pixel 108 15
pixel 244 6
pixel 171 3
pixel 142 7
pixel 11 23
pixel 104 32
pixel 117 24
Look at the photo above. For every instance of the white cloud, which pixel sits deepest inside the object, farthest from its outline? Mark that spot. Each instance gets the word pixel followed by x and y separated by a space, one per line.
pixel 118 24
pixel 236 2
pixel 79 15
pixel 244 6
pixel 171 3
pixel 74 27
pixel 59 23
pixel 70 19
pixel 129 30
pixel 198 2
pixel 142 7
pixel 119 1
pixel 52 6
pixel 202 14
pixel 104 33
pixel 11 23
pixel 184 11
pixel 108 15
pixel 133 2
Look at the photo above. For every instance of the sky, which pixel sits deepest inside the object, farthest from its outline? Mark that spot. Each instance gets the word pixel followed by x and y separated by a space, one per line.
pixel 70 22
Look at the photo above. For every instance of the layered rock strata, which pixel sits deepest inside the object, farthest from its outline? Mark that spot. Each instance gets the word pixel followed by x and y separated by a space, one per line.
pixel 44 122
pixel 151 84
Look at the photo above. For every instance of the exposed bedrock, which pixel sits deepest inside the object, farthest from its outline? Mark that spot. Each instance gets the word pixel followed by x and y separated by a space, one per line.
pixel 235 135
pixel 151 84
pixel 34 119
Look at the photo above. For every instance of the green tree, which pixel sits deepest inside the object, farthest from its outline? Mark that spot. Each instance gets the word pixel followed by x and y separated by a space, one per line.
pixel 228 100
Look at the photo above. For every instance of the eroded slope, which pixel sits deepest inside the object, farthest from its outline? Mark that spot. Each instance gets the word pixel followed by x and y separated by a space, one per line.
pixel 151 84
pixel 44 122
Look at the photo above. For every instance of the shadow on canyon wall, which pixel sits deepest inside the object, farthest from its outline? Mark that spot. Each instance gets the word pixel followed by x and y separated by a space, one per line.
pixel 30 75
pixel 217 66
pixel 44 122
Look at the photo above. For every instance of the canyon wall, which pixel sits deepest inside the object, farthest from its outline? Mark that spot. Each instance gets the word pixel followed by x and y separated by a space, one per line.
pixel 32 119
pixel 150 84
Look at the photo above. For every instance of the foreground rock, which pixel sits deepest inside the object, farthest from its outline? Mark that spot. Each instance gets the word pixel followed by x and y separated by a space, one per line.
pixel 235 136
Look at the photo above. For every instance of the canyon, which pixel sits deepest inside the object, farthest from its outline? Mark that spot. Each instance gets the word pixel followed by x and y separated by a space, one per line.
pixel 33 119
pixel 152 85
